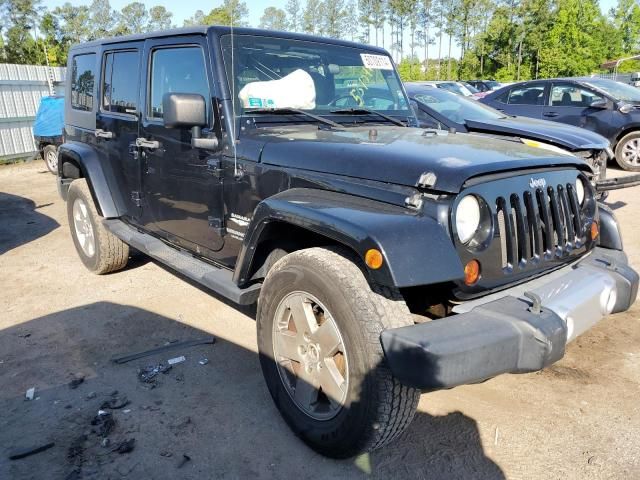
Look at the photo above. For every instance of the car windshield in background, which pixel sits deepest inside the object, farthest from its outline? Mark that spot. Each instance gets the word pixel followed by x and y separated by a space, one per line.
pixel 493 84
pixel 274 73
pixel 456 108
pixel 617 90
pixel 455 88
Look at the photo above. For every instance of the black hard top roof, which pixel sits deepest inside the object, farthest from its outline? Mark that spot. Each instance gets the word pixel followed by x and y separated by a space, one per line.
pixel 222 30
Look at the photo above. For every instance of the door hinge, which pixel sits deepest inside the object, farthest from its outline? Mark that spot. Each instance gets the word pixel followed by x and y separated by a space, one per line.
pixel 218 225
pixel 214 166
pixel 136 198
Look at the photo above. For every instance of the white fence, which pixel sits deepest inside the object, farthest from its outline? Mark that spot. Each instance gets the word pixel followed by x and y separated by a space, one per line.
pixel 21 88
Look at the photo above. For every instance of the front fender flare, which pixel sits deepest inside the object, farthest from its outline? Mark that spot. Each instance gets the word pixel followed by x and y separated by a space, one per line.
pixel 416 249
pixel 108 205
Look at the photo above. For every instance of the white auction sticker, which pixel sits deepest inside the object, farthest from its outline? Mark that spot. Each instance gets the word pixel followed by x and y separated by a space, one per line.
pixel 377 62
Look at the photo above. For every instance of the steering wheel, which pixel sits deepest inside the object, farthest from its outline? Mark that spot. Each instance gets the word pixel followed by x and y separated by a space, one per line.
pixel 354 103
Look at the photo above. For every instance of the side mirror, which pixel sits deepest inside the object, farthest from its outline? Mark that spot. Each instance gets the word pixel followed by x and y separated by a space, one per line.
pixel 184 110
pixel 601 104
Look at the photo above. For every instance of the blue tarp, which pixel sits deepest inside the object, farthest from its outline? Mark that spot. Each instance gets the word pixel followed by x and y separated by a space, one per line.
pixel 50 117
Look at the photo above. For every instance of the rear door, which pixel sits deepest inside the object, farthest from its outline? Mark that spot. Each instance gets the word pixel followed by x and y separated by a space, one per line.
pixel 571 103
pixel 183 199
pixel 526 100
pixel 117 119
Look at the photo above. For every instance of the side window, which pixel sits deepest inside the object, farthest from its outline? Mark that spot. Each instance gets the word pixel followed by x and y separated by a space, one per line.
pixel 119 85
pixel 568 95
pixel 82 79
pixel 531 95
pixel 179 70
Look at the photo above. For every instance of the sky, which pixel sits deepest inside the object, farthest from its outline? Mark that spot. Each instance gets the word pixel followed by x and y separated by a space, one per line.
pixel 183 9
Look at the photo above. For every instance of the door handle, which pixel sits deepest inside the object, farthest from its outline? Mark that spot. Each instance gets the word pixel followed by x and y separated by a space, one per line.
pixel 150 144
pixel 550 114
pixel 103 133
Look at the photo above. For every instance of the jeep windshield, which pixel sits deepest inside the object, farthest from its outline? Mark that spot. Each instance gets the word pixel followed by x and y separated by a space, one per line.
pixel 327 80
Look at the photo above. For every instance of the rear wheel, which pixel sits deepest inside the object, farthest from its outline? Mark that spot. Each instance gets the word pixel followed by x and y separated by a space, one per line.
pixel 99 249
pixel 50 157
pixel 628 152
pixel 319 324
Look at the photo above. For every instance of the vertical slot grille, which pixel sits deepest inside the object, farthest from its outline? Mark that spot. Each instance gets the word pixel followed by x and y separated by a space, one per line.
pixel 539 226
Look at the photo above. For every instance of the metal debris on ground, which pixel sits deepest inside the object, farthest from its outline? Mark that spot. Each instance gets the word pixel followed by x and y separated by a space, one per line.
pixel 76 382
pixel 173 361
pixel 203 361
pixel 185 459
pixel 153 351
pixel 30 393
pixel 150 372
pixel 105 442
pixel 126 446
pixel 19 453
pixel 115 403
pixel 104 422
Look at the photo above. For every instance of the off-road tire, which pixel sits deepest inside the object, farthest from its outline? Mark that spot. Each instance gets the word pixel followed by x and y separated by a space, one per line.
pixel 111 253
pixel 378 407
pixel 46 152
pixel 620 160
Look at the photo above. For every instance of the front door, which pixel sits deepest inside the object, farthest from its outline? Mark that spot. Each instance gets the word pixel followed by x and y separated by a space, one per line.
pixel 571 103
pixel 526 100
pixel 181 188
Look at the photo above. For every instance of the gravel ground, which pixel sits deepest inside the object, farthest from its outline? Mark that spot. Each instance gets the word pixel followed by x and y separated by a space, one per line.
pixel 59 323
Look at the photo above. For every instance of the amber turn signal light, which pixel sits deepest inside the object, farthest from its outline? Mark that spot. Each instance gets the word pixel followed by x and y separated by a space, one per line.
pixel 595 230
pixel 373 258
pixel 471 272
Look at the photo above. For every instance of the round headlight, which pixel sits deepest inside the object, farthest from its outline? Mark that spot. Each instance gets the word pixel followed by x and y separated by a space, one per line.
pixel 580 190
pixel 467 218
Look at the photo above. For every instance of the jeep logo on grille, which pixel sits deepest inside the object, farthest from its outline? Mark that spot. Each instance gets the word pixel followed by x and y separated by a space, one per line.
pixel 537 182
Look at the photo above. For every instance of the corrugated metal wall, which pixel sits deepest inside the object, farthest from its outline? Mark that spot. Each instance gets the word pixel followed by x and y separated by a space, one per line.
pixel 21 88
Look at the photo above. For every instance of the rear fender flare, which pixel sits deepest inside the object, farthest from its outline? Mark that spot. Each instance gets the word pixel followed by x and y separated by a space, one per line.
pixel 416 249
pixel 107 204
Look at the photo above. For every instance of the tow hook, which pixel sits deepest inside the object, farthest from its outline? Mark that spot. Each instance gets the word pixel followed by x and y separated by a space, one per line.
pixel 536 308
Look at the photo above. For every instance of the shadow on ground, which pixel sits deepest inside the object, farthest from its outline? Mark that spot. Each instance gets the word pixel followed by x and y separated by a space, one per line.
pixel 21 222
pixel 220 414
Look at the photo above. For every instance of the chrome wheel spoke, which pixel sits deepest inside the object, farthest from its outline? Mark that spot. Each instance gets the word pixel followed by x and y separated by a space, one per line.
pixel 306 394
pixel 328 337
pixel 303 316
pixel 332 382
pixel 287 345
pixel 83 228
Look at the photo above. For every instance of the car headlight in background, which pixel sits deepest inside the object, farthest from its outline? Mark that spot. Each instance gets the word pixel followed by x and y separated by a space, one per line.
pixel 467 218
pixel 580 190
pixel 544 146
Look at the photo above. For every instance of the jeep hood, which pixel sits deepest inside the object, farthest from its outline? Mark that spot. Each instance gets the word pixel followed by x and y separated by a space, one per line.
pixel 401 155
pixel 567 136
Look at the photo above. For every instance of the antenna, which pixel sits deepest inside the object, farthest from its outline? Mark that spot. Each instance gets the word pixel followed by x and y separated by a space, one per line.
pixel 233 95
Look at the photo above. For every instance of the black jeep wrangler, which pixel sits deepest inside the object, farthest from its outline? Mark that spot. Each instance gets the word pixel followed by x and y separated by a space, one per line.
pixel 385 260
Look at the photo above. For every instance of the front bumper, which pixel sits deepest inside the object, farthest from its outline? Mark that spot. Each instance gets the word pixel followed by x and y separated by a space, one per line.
pixel 519 330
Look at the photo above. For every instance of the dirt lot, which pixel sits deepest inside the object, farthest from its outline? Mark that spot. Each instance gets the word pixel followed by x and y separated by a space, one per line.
pixel 578 419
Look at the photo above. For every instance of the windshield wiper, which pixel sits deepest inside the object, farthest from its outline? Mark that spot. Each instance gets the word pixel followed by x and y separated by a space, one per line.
pixel 294 111
pixel 365 111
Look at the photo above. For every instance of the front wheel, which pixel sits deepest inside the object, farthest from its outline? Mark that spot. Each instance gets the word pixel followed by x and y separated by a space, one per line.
pixel 628 152
pixel 319 325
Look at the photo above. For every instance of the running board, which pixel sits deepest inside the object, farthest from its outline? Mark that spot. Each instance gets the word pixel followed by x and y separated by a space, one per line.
pixel 217 279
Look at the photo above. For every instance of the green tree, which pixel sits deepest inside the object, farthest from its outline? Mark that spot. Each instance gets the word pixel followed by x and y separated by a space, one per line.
pixel 198 18
pixel 21 17
pixel 273 19
pixel 102 19
pixel 626 19
pixel 230 12
pixel 159 19
pixel 334 14
pixel 133 18
pixel 312 17
pixel 294 15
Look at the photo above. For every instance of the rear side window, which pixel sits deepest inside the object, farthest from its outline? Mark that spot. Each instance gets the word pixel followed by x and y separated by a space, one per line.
pixel 119 83
pixel 176 70
pixel 82 79
pixel 532 95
